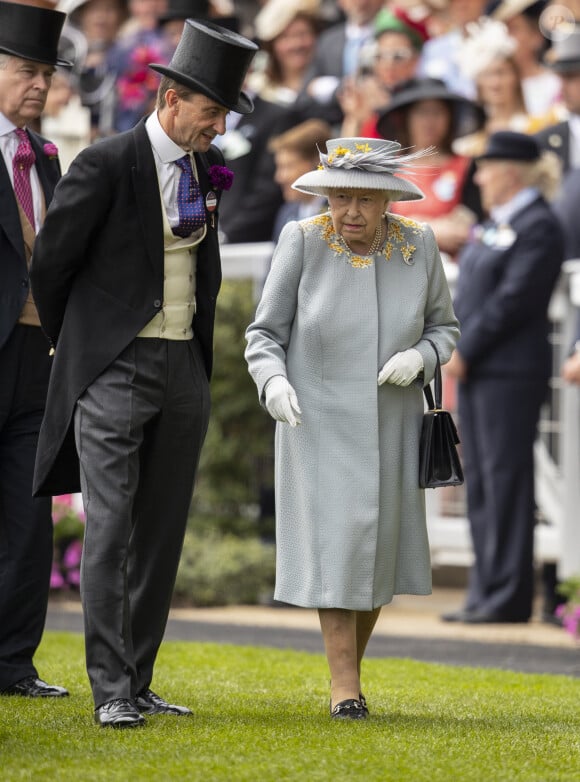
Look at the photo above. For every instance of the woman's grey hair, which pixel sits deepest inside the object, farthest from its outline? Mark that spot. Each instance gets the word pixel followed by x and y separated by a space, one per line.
pixel 3 60
pixel 388 195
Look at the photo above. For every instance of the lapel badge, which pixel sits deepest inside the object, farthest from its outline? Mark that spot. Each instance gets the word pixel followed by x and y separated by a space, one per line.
pixel 505 237
pixel 211 201
pixel 554 140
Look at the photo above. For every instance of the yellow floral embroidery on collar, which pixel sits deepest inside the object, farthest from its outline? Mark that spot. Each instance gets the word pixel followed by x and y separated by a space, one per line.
pixel 395 240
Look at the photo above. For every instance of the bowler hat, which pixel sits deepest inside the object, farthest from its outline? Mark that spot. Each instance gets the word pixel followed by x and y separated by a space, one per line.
pixel 185 9
pixel 564 56
pixel 31 33
pixel 212 60
pixel 467 116
pixel 510 145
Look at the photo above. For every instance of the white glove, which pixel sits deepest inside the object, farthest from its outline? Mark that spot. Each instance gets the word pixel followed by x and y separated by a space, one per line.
pixel 281 401
pixel 402 368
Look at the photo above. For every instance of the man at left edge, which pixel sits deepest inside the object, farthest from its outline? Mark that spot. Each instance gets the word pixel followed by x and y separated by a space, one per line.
pixel 29 171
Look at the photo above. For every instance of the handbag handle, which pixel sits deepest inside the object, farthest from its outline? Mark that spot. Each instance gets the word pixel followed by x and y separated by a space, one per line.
pixel 434 404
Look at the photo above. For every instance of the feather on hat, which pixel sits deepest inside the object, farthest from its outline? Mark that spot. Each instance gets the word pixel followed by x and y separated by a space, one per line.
pixel 363 164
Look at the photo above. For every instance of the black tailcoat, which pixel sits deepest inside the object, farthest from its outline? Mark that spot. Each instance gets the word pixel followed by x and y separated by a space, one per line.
pixel 97 276
pixel 25 524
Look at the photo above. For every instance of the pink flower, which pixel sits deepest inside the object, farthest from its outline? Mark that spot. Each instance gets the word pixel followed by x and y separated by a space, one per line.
pixel 72 555
pixel 56 579
pixel 220 177
pixel 50 150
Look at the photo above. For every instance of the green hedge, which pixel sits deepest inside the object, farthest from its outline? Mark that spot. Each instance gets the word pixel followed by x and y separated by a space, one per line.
pixel 237 458
pixel 225 570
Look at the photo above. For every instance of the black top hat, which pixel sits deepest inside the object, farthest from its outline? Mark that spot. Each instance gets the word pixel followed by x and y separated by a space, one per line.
pixel 510 145
pixel 508 9
pixel 467 116
pixel 31 33
pixel 185 9
pixel 564 57
pixel 212 60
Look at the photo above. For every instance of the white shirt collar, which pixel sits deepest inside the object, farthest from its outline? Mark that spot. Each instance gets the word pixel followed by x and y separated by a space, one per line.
pixel 167 150
pixel 574 125
pixel 6 126
pixel 505 212
pixel 358 32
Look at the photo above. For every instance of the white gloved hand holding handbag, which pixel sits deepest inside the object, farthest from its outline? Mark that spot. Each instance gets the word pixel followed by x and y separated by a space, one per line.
pixel 402 368
pixel 281 401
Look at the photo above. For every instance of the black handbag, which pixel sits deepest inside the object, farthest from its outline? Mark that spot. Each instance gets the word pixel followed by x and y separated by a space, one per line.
pixel 439 463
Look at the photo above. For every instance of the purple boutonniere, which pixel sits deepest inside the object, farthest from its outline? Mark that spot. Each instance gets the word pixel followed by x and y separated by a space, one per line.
pixel 220 177
pixel 50 150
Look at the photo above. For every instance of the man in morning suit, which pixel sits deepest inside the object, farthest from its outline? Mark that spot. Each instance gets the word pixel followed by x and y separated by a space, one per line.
pixel 29 171
pixel 563 138
pixel 125 274
pixel 503 362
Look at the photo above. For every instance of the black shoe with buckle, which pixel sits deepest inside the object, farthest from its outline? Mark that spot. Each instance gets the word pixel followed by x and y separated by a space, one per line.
pixel 350 709
pixel 32 687
pixel 118 713
pixel 149 703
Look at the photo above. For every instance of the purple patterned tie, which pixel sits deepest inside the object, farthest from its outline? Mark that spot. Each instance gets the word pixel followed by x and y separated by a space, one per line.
pixel 189 200
pixel 23 161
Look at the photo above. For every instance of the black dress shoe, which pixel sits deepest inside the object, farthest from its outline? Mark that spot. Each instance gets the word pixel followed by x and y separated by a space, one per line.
pixel 481 618
pixel 118 713
pixel 455 616
pixel 148 702
pixel 350 709
pixel 363 702
pixel 549 618
pixel 31 687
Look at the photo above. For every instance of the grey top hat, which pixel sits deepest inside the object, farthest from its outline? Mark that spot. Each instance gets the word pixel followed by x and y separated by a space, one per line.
pixel 185 9
pixel 31 33
pixel 212 60
pixel 361 164
pixel 564 57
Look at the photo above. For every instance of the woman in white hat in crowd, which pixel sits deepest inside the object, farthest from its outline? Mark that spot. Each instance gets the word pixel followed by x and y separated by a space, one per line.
pixel 287 31
pixel 339 352
pixel 488 57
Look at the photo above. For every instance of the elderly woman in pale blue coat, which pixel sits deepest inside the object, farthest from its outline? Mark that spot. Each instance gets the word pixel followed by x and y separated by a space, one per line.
pixel 339 352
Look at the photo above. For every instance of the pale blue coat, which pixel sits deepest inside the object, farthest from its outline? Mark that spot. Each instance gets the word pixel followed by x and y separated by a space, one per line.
pixel 350 516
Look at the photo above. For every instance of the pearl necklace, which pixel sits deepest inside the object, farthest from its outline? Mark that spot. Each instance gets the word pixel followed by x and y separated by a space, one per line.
pixel 375 244
pixel 377 241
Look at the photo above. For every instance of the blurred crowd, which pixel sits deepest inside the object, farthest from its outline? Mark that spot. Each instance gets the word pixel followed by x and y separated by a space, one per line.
pixel 438 75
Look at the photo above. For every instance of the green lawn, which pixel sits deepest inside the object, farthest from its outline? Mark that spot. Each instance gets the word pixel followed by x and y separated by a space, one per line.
pixel 262 714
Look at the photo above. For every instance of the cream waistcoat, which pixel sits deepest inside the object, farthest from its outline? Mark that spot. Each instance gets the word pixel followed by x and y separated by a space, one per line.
pixel 173 321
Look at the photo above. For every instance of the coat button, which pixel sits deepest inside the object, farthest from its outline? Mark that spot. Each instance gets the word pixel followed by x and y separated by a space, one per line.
pixel 157 303
pixel 24 283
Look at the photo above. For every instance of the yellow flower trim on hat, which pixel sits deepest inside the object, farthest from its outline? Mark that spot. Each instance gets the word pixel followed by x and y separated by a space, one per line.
pixel 346 152
pixel 338 152
pixel 395 240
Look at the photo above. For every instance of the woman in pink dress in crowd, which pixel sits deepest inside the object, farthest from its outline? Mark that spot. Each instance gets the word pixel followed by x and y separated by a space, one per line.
pixel 424 115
